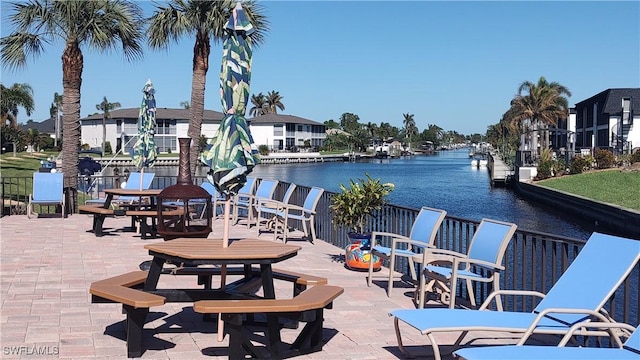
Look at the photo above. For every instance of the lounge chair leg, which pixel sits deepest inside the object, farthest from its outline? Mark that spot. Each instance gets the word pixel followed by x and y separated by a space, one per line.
pixel 392 264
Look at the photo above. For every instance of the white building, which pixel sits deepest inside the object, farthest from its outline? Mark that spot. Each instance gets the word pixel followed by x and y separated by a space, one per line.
pixel 122 128
pixel 286 132
pixel 279 132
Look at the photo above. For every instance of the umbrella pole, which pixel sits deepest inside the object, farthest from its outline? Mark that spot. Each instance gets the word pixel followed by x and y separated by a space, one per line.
pixel 140 200
pixel 223 270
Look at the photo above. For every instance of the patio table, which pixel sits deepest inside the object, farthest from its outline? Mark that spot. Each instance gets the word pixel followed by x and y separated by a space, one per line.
pixel 245 252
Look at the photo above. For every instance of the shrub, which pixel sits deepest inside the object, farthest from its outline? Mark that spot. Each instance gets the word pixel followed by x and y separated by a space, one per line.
pixel 635 157
pixel 544 170
pixel 354 204
pixel 107 148
pixel 604 158
pixel 263 150
pixel 558 167
pixel 578 165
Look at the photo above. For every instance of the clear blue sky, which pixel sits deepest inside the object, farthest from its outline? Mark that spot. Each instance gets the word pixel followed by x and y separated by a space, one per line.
pixel 453 64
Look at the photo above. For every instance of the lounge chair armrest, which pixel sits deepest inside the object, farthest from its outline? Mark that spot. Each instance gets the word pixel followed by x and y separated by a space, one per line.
pixel 609 327
pixel 436 251
pixel 551 311
pixel 300 208
pixel 273 204
pixel 497 293
pixel 394 237
pixel 485 264
pixel 376 234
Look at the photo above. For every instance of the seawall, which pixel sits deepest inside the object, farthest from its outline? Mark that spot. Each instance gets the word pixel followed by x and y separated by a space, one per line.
pixel 622 221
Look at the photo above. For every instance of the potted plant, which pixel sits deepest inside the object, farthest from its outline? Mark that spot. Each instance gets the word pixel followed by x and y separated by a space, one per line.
pixel 351 208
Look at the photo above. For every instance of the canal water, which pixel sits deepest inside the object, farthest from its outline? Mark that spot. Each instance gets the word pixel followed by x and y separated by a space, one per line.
pixel 445 180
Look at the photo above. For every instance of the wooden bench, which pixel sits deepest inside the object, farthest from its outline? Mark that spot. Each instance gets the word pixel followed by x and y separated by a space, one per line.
pixel 143 215
pixel 308 306
pixel 124 289
pixel 99 214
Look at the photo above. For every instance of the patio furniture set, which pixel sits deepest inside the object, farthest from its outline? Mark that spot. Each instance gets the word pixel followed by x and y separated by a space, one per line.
pixel 569 309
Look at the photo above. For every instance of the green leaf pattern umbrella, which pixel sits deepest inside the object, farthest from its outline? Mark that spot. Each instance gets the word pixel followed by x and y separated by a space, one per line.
pixel 229 152
pixel 144 151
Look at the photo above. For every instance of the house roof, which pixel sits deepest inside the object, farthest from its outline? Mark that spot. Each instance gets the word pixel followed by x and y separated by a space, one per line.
pixel 281 119
pixel 45 127
pixel 161 113
pixel 612 99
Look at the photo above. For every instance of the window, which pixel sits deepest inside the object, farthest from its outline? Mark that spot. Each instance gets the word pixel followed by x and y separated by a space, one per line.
pixel 626 111
pixel 277 130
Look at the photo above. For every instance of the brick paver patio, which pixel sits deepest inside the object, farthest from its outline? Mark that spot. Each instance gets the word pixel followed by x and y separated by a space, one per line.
pixel 48 264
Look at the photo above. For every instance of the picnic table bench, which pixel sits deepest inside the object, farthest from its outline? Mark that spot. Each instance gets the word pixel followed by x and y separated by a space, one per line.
pixel 100 213
pixel 126 289
pixel 308 306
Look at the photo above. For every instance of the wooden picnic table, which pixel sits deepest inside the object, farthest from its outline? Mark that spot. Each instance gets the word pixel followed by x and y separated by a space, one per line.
pixel 138 290
pixel 194 252
pixel 139 210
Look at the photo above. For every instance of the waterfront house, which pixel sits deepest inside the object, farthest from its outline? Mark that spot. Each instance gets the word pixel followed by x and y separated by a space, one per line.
pixel 122 128
pixel 279 132
pixel 287 132
pixel 609 119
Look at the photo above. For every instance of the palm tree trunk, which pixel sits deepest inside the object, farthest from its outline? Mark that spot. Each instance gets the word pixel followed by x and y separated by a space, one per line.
pixel 72 65
pixel 198 83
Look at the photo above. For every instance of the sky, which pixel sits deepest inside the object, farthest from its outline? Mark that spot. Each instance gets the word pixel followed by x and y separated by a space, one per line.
pixel 453 64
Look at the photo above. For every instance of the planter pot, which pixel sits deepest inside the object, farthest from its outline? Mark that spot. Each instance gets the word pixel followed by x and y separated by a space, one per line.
pixel 358 254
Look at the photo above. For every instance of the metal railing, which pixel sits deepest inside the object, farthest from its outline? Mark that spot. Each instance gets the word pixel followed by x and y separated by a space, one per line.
pixel 533 260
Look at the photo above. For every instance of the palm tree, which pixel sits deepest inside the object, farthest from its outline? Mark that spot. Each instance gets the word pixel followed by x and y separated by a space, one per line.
pixel 57 102
pixel 13 98
pixel 410 129
pixel 274 102
pixel 115 24
pixel 203 21
pixel 259 105
pixel 35 139
pixel 185 104
pixel 105 106
pixel 542 104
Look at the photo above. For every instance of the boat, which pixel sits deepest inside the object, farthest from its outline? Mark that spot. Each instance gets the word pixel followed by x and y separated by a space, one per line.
pixel 382 151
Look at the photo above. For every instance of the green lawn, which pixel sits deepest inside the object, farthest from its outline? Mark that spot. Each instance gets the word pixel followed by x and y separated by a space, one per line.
pixel 24 164
pixel 611 186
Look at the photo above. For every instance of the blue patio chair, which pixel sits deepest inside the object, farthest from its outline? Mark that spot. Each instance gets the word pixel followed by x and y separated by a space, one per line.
pixel 305 214
pixel 241 200
pixel 579 294
pixel 133 182
pixel 482 263
pixel 264 191
pixel 217 199
pixel 47 190
pixel 422 236
pixel 268 208
pixel 628 350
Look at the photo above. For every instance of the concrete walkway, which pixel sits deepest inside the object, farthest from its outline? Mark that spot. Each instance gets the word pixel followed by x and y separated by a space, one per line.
pixel 48 264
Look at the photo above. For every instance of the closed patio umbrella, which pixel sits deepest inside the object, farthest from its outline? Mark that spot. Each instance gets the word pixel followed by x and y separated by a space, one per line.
pixel 144 151
pixel 229 152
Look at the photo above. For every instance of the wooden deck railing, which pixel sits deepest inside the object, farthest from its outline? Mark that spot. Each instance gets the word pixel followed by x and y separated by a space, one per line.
pixel 533 261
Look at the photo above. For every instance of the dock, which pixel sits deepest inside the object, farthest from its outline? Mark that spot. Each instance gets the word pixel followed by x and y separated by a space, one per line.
pixel 501 174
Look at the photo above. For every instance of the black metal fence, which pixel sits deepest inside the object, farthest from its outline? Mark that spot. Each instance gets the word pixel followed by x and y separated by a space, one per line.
pixel 533 260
